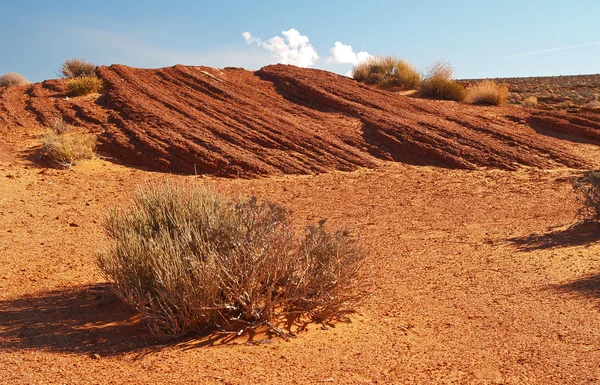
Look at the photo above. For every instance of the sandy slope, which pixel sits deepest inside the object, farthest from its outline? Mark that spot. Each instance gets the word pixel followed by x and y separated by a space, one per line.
pixel 475 277
pixel 475 274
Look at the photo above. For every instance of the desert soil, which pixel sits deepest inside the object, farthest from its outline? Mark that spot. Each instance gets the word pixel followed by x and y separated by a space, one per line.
pixel 477 271
pixel 553 91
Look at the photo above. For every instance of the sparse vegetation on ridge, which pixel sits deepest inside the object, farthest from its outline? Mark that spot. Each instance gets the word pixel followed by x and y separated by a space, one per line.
pixel 75 68
pixel 530 101
pixel 387 72
pixel 84 85
pixel 189 259
pixel 438 83
pixel 487 92
pixel 13 79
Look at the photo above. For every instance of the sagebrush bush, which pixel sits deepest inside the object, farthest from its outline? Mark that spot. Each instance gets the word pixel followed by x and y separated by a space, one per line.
pixel 189 259
pixel 84 85
pixel 13 79
pixel 67 149
pixel 487 92
pixel 75 68
pixel 438 83
pixel 588 189
pixel 530 101
pixel 59 126
pixel 387 72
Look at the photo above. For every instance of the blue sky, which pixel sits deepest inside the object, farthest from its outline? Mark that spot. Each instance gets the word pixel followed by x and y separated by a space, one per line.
pixel 480 38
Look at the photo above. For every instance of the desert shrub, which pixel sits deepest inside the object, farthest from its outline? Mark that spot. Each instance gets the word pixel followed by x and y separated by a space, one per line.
pixel 188 259
pixel 588 189
pixel 440 70
pixel 84 85
pixel 440 88
pixel 13 79
pixel 75 68
pixel 530 101
pixel 59 126
pixel 438 83
pixel 565 104
pixel 68 149
pixel 487 92
pixel 593 105
pixel 387 72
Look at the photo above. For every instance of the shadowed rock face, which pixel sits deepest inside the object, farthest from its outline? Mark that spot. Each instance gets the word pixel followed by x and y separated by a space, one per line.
pixel 290 120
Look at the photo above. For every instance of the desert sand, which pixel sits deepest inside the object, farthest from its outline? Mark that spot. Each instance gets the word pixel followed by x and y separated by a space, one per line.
pixel 478 270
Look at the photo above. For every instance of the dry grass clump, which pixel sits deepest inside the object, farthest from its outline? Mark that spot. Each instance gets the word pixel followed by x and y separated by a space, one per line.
pixel 530 101
pixel 588 189
pixel 593 105
pixel 13 79
pixel 387 72
pixel 487 92
pixel 188 259
pixel 84 85
pixel 565 104
pixel 438 83
pixel 67 149
pixel 75 68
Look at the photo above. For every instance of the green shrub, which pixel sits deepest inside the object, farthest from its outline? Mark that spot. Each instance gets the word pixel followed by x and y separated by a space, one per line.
pixel 188 259
pixel 438 83
pixel 13 79
pixel 487 92
pixel 387 72
pixel 68 149
pixel 588 189
pixel 75 68
pixel 84 85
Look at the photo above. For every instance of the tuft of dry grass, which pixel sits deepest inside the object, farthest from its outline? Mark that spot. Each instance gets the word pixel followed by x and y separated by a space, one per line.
pixel 13 79
pixel 530 101
pixel 59 126
pixel 75 68
pixel 440 70
pixel 84 85
pixel 438 83
pixel 565 104
pixel 387 71
pixel 67 149
pixel 188 259
pixel 593 105
pixel 487 92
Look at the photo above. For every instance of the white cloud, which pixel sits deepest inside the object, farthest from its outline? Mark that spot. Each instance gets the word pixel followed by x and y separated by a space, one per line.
pixel 249 38
pixel 293 49
pixel 344 54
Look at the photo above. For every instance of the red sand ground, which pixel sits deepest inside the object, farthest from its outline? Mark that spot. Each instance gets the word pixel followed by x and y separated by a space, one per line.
pixel 475 274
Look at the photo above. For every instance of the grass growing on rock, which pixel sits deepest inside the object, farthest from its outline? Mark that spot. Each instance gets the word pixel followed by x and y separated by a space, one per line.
pixel 13 79
pixel 189 259
pixel 387 72
pixel 67 149
pixel 84 85
pixel 487 92
pixel 75 68
pixel 438 83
